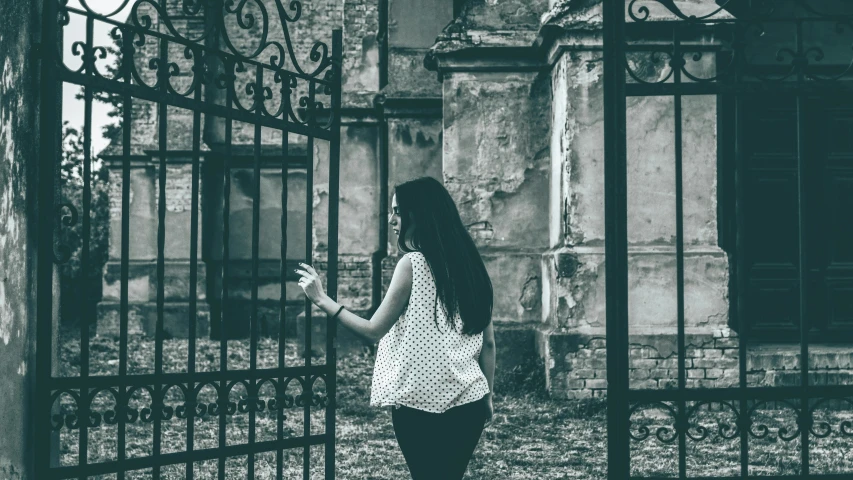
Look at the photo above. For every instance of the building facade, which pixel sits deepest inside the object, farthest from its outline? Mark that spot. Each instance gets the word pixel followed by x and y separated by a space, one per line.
pixel 502 100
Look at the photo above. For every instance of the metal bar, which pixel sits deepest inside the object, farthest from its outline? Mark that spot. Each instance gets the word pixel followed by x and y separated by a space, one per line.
pixel 309 258
pixel 679 262
pixel 256 238
pixel 107 381
pixel 127 108
pixel 83 304
pixel 332 270
pixel 189 43
pixel 136 463
pixel 616 240
pixel 738 88
pixel 161 253
pixel 734 393
pixel 193 300
pixel 226 254
pixel 282 320
pixel 827 476
pixel 805 415
pixel 383 37
pixel 50 125
pixel 174 100
pixel 740 261
pixel 382 250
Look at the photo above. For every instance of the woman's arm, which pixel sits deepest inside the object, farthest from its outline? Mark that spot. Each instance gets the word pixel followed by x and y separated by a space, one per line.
pixel 487 357
pixel 389 311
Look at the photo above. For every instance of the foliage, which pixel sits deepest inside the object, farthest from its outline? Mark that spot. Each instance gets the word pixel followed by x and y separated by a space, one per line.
pixel 72 192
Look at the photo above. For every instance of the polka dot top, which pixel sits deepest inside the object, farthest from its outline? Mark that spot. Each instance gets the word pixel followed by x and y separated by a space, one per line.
pixel 424 367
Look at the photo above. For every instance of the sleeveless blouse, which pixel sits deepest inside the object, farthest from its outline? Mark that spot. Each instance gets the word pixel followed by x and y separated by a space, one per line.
pixel 424 367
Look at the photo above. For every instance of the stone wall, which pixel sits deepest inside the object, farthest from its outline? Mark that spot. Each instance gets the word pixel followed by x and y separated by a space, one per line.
pixel 571 339
pixel 496 168
pixel 711 361
pixel 19 153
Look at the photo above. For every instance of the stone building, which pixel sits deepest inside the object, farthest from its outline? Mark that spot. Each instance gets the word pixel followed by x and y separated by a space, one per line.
pixel 502 100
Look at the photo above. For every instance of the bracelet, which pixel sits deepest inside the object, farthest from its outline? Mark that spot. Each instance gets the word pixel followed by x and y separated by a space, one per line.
pixel 336 313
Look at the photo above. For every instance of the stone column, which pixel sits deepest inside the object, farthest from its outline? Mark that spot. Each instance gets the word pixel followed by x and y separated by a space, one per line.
pixel 572 338
pixel 495 164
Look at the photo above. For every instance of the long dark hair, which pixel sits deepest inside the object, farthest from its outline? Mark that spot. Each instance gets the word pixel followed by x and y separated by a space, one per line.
pixel 461 279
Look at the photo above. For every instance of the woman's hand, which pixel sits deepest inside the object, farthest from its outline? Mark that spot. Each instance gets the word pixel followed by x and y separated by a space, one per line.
pixel 310 283
pixel 490 409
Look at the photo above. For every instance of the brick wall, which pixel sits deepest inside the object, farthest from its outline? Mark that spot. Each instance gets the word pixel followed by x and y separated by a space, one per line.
pixel 355 280
pixel 711 361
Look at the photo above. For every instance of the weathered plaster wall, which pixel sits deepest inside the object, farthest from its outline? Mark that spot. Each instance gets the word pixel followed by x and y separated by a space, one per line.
pixel 574 268
pixel 496 165
pixel 18 158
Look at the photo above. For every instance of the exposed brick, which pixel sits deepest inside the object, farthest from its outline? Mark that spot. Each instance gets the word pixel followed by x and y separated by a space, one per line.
pixel 597 363
pixel 713 373
pixel 668 383
pixel 711 353
pixel 725 343
pixel 578 394
pixel 706 363
pixel 642 363
pixel 671 362
pixel 575 383
pixel 696 373
pixel 646 384
pixel 596 383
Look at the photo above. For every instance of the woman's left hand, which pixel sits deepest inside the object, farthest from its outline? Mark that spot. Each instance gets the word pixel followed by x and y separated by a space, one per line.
pixel 310 283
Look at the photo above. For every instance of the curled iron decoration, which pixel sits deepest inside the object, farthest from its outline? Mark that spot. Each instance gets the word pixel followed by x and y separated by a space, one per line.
pixel 211 54
pixel 642 13
pixel 823 429
pixel 157 407
pixel 840 28
pixel 761 430
pixel 63 252
pixel 724 430
pixel 664 434
pixel 66 417
pixel 655 58
pixel 808 7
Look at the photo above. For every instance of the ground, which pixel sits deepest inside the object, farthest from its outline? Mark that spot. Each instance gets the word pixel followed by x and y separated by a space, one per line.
pixel 532 436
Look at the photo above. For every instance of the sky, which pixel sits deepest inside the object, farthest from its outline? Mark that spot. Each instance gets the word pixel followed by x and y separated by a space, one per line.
pixel 73 109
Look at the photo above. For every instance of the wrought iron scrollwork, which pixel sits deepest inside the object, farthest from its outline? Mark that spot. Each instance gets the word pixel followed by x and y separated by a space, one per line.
pixel 785 420
pixel 159 406
pixel 699 38
pixel 161 56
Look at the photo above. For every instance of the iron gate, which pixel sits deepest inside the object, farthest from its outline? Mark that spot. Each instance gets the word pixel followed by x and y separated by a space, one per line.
pixel 759 47
pixel 229 63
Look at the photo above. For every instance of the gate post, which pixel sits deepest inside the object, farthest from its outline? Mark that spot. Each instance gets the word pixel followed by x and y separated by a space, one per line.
pixel 616 240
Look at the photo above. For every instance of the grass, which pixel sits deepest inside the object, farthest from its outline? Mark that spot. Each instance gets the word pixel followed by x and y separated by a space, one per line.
pixel 531 437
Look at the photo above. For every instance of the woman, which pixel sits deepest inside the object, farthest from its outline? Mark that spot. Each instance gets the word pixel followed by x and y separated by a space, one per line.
pixel 434 366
